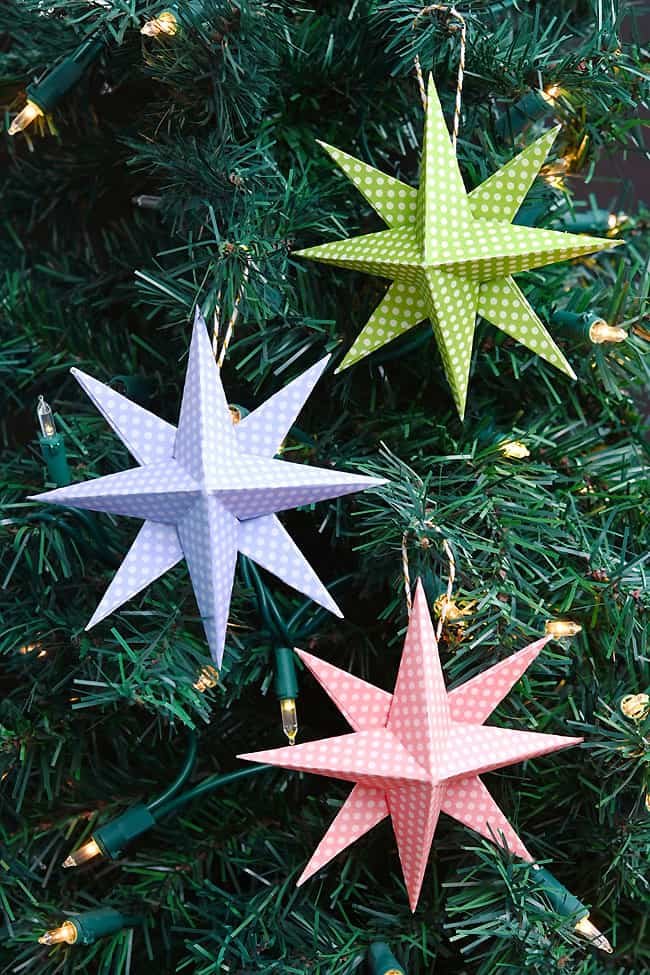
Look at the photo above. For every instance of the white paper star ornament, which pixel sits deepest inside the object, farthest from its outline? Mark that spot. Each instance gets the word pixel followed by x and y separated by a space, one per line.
pixel 207 490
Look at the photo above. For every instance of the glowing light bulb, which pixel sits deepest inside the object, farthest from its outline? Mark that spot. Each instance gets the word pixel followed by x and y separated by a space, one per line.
pixel 24 118
pixel 586 929
pixel 86 852
pixel 66 933
pixel 289 718
pixel 165 23
pixel 636 706
pixel 600 331
pixel 614 223
pixel 30 647
pixel 209 677
pixel 561 628
pixel 550 93
pixel 45 418
pixel 514 449
pixel 451 611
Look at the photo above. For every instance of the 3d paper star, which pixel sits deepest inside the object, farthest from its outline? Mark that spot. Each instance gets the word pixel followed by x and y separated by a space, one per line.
pixel 417 752
pixel 450 254
pixel 207 490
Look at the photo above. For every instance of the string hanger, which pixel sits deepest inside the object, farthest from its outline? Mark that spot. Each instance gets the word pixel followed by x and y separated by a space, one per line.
pixel 232 321
pixel 451 576
pixel 461 29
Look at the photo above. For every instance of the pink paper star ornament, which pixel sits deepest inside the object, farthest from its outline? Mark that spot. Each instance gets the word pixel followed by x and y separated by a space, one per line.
pixel 417 752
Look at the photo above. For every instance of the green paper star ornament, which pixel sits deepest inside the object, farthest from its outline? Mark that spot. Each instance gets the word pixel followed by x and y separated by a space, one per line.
pixel 451 254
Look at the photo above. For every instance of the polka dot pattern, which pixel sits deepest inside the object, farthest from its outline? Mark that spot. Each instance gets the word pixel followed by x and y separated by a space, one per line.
pixel 392 200
pixel 419 714
pixel 417 752
pixel 403 307
pixel 165 490
pixel 255 486
pixel 208 490
pixel 452 304
pixel 364 808
pixel 375 758
pixel 267 542
pixel 208 537
pixel 481 748
pixel 156 549
pixel 502 303
pixel 442 204
pixel 148 438
pixel 440 229
pixel 468 801
pixel 205 439
pixel 389 254
pixel 475 700
pixel 363 706
pixel 414 812
pixel 263 431
pixel 493 250
pixel 500 196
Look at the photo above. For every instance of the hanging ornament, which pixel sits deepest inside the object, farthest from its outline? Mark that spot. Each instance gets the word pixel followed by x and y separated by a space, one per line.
pixel 207 490
pixel 417 752
pixel 450 255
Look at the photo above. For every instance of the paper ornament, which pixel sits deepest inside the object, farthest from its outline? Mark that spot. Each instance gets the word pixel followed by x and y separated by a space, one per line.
pixel 207 490
pixel 450 255
pixel 417 752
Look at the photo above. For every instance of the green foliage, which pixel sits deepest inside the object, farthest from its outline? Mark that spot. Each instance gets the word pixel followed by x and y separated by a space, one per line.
pixel 183 170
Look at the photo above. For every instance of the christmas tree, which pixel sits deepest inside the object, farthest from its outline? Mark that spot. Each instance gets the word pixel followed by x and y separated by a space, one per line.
pixel 162 161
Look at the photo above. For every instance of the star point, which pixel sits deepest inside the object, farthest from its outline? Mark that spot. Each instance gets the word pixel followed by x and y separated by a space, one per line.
pixel 207 489
pixel 417 752
pixel 450 255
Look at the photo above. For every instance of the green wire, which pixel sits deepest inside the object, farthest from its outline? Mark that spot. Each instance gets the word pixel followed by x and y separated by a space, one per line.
pixel 267 606
pixel 212 782
pixel 180 779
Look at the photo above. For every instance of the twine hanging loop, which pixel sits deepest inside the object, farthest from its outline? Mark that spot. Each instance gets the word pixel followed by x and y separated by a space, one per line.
pixel 460 27
pixel 451 575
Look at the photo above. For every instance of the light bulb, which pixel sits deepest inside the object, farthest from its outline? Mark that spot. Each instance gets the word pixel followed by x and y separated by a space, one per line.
pixel 84 853
pixel 448 608
pixel 614 223
pixel 289 718
pixel 600 331
pixel 636 707
pixel 550 93
pixel 561 628
pixel 30 647
pixel 555 177
pixel 514 449
pixel 209 677
pixel 67 933
pixel 24 118
pixel 451 611
pixel 45 418
pixel 165 23
pixel 587 930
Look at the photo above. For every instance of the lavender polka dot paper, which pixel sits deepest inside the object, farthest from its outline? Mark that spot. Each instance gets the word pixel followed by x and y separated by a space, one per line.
pixel 207 490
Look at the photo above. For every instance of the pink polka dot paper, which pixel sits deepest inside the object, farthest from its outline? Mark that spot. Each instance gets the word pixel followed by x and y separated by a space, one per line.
pixel 207 490
pixel 417 752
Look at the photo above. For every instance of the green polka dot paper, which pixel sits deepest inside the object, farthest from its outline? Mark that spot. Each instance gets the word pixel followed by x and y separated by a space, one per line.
pixel 451 255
